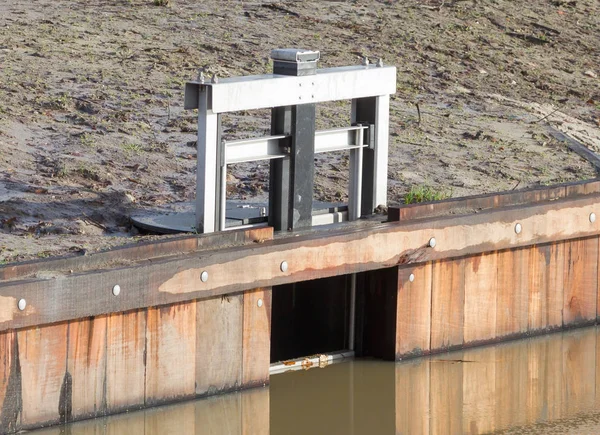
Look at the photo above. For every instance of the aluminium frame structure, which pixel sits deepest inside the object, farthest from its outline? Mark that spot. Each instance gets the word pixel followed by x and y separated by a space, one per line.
pixel 292 92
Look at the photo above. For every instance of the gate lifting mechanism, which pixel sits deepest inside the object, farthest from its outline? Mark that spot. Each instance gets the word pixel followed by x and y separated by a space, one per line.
pixel 292 92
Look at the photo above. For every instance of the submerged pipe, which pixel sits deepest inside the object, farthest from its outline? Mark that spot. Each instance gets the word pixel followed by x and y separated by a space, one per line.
pixel 352 314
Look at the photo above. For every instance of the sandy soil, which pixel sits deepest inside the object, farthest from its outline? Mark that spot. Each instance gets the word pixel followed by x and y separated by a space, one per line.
pixel 91 94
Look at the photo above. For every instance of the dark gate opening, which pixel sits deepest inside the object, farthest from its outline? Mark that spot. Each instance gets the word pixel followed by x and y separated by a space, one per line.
pixel 310 317
pixel 376 308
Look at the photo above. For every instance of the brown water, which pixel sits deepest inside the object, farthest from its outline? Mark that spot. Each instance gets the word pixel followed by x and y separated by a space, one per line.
pixel 541 385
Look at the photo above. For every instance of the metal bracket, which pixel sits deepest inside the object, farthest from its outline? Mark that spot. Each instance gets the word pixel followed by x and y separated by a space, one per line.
pixel 369 134
pixel 371 137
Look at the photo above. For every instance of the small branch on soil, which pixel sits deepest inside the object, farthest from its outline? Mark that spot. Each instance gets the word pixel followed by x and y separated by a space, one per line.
pixel 547 116
pixel 418 113
pixel 528 38
pixel 546 28
pixel 434 8
pixel 174 50
pixel 277 8
pixel 95 103
pixel 94 222
pixel 443 115
pixel 496 23
pixel 83 100
pixel 412 143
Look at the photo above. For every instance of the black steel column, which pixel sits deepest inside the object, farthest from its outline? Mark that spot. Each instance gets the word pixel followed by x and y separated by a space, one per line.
pixel 302 166
pixel 364 112
pixel 291 181
pixel 279 172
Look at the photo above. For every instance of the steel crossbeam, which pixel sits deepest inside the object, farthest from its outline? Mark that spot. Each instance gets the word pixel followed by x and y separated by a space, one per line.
pixel 273 90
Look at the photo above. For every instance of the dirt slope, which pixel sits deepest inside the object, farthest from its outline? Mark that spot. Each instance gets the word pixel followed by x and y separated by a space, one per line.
pixel 91 95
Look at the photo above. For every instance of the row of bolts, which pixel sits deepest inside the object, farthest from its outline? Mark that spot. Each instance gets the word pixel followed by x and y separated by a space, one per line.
pixel 215 79
pixel 518 229
pixel 116 290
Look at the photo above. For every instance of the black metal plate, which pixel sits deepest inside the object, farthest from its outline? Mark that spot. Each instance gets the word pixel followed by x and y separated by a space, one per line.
pixel 180 217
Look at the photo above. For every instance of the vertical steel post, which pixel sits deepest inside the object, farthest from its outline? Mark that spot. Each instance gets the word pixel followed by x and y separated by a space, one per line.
pixel 355 187
pixel 382 139
pixel 291 181
pixel 374 110
pixel 222 211
pixel 279 172
pixel 208 165
pixel 302 166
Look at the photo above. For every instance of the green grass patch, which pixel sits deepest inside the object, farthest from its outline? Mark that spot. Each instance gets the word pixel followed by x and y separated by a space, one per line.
pixel 87 139
pixel 132 148
pixel 425 194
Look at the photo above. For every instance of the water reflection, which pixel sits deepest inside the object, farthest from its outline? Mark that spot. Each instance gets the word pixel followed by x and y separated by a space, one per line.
pixel 239 413
pixel 540 385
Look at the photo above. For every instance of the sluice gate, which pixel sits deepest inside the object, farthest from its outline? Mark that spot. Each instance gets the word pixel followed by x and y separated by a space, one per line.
pixel 209 313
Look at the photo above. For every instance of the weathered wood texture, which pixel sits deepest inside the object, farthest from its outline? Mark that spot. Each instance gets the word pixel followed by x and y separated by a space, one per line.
pixel 413 321
pixel 581 281
pixel 135 253
pixel 46 386
pixel 10 382
pixel 256 337
pixel 480 298
pixel 447 304
pixel 125 361
pixel 312 256
pixel 495 296
pixel 219 344
pixel 171 353
pixel 86 365
pixel 512 293
pixel 102 365
pixel 546 283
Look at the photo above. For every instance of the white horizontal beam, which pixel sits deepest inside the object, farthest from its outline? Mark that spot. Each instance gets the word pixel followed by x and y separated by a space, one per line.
pixel 250 150
pixel 270 147
pixel 269 90
pixel 329 218
pixel 337 139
